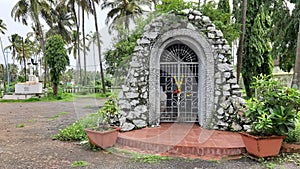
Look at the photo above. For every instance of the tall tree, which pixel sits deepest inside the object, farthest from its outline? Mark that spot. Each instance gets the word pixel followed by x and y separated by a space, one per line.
pixel 33 9
pixel 99 46
pixel 76 35
pixel 57 59
pixel 296 77
pixel 123 12
pixel 241 41
pixel 61 21
pixel 85 7
pixel 256 59
pixel 22 49
pixel 2 29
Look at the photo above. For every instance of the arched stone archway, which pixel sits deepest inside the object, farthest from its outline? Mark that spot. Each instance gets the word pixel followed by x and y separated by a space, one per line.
pixel 218 94
pixel 201 47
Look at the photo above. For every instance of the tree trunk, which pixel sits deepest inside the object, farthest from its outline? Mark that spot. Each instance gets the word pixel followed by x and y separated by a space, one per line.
pixel 55 86
pixel 78 46
pixel 42 42
pixel 241 42
pixel 99 49
pixel 5 63
pixel 296 77
pixel 84 50
pixel 24 60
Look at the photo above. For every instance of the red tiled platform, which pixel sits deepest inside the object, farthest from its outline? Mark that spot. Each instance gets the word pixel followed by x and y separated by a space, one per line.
pixel 183 139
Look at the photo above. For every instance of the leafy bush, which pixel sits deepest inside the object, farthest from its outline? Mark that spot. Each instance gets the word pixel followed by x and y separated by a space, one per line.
pixel 75 132
pixel 274 110
pixel 294 135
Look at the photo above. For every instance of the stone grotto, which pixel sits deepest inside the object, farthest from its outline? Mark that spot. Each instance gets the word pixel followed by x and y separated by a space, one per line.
pixel 182 71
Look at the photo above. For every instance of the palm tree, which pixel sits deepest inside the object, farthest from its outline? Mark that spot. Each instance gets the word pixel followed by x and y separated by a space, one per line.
pixel 241 42
pixel 21 49
pixel 61 21
pixel 85 7
pixel 71 4
pixel 123 11
pixel 2 29
pixel 99 46
pixel 2 26
pixel 33 8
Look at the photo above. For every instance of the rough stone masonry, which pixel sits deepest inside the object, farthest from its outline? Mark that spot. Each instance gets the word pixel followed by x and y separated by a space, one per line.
pixel 221 103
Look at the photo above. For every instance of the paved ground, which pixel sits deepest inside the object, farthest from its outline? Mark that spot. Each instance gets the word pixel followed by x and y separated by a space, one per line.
pixel 32 147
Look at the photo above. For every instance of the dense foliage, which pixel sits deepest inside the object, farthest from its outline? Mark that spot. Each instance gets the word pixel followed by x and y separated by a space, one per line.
pixel 285 23
pixel 257 58
pixel 274 109
pixel 175 6
pixel 57 59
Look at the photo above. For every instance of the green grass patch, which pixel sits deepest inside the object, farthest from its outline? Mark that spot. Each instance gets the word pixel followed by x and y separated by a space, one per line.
pixel 61 97
pixel 63 113
pixel 80 164
pixel 58 115
pixel 20 125
pixel 31 120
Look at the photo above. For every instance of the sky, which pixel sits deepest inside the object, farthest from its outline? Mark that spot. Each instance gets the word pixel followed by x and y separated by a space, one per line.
pixel 17 27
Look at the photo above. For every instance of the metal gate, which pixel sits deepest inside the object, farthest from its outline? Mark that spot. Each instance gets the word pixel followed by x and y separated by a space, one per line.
pixel 179 84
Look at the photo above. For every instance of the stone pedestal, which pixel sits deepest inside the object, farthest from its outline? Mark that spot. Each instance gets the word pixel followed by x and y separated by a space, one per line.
pixel 29 88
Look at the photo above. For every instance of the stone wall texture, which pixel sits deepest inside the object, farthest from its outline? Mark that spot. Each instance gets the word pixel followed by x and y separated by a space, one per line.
pixel 221 104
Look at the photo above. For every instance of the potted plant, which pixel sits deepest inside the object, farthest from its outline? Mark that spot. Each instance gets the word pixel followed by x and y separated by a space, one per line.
pixel 273 113
pixel 105 134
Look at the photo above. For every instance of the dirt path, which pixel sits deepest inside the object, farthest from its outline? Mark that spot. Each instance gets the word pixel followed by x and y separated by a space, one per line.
pixel 31 146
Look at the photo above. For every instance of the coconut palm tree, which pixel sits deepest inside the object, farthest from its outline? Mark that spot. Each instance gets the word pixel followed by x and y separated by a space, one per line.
pixel 123 11
pixel 61 21
pixel 2 29
pixel 98 44
pixel 22 49
pixel 24 9
pixel 86 6
pixel 71 5
pixel 2 26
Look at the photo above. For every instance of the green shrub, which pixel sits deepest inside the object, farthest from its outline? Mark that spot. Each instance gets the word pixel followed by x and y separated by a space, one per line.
pixel 274 110
pixel 75 132
pixel 294 135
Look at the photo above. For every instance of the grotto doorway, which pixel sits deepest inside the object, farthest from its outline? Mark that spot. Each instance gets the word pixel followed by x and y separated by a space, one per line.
pixel 179 85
